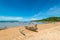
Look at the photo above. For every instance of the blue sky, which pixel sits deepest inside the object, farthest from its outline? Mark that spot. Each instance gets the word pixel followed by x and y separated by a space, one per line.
pixel 24 10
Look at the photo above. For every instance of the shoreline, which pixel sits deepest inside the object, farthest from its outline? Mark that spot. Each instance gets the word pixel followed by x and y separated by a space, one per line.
pixel 28 24
pixel 50 31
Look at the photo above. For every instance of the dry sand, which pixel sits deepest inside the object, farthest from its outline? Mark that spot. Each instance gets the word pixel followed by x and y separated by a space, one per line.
pixel 48 31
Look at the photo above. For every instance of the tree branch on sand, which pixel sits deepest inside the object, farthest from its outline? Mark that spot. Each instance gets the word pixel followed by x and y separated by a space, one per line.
pixel 21 31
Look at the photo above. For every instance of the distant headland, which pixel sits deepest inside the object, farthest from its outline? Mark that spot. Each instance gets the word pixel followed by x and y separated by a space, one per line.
pixel 49 19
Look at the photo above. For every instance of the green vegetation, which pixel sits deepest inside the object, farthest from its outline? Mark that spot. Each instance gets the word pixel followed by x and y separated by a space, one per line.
pixel 50 19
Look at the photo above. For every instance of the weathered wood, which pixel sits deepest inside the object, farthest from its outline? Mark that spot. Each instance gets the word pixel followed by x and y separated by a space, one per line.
pixel 31 27
pixel 22 32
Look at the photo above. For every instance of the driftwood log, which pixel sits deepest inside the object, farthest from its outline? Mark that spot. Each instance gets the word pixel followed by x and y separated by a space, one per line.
pixel 31 27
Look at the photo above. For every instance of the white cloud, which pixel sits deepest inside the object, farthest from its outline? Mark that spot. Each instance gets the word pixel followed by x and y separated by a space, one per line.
pixel 38 16
pixel 54 11
pixel 10 18
pixel 33 19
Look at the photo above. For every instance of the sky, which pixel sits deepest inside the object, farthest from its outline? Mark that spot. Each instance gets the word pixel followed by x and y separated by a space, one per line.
pixel 25 10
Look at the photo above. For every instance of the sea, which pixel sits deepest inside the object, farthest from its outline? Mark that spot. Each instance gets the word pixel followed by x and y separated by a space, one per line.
pixel 14 24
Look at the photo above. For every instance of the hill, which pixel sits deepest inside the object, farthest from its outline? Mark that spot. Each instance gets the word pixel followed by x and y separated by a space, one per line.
pixel 49 19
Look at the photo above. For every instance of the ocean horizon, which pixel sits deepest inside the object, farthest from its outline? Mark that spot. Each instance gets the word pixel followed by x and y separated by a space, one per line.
pixel 14 24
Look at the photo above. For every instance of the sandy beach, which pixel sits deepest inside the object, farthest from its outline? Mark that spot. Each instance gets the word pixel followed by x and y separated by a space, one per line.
pixel 49 31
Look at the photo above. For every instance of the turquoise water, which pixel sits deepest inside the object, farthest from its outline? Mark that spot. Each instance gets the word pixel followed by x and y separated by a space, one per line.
pixel 13 24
